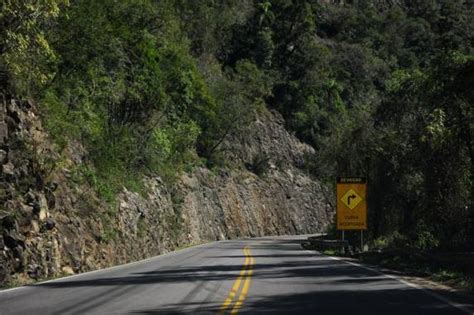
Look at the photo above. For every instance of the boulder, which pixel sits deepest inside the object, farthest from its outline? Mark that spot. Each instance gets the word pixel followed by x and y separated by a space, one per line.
pixel 67 270
pixel 3 155
pixel 4 272
pixel 35 226
pixel 34 271
pixel 3 131
pixel 13 240
pixel 3 214
pixel 8 169
pixel 49 224
pixel 27 210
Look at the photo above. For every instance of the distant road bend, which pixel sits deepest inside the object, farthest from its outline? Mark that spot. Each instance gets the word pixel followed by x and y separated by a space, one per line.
pixel 252 276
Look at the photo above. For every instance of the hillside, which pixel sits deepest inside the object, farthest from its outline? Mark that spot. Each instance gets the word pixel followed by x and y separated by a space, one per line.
pixel 47 207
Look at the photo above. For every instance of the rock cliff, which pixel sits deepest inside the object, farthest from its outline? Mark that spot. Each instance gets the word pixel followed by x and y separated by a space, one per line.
pixel 52 225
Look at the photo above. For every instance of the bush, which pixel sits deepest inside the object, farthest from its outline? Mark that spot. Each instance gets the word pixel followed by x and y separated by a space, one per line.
pixel 425 240
pixel 260 164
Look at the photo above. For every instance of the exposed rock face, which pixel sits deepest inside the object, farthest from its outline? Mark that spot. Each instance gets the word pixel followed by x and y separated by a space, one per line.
pixel 50 225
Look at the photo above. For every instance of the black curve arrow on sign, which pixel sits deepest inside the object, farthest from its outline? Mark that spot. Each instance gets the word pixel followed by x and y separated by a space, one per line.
pixel 349 199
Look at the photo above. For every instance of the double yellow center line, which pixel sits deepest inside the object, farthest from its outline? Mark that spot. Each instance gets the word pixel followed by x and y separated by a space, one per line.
pixel 242 284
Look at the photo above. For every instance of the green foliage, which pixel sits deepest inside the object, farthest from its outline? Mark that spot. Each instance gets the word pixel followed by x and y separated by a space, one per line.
pixel 27 59
pixel 382 92
pixel 108 233
pixel 379 89
pixel 425 240
pixel 238 93
pixel 260 164
pixel 133 94
pixel 420 240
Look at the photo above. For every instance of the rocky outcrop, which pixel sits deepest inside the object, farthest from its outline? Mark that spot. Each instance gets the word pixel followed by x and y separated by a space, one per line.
pixel 52 225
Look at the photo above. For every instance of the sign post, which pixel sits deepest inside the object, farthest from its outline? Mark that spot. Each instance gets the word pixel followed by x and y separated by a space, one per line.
pixel 351 210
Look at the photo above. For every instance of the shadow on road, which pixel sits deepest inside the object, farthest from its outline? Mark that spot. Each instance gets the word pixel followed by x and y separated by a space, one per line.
pixel 340 288
pixel 367 302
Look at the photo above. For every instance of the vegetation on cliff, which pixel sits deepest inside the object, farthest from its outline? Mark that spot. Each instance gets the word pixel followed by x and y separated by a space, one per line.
pixel 381 89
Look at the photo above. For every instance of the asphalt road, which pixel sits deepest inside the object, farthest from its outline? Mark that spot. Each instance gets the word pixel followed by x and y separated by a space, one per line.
pixel 254 276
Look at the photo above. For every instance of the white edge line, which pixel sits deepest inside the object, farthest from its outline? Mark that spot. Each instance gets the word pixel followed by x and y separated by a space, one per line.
pixel 413 285
pixel 171 253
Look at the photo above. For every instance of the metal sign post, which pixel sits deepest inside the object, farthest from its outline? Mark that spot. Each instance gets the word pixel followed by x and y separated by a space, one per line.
pixel 343 246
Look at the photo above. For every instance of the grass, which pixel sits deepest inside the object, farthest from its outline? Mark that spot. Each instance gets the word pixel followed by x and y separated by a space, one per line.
pixel 454 278
pixel 12 283
pixel 454 269
pixel 331 252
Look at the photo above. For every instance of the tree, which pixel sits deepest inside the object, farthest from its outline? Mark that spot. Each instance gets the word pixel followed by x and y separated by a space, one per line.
pixel 27 60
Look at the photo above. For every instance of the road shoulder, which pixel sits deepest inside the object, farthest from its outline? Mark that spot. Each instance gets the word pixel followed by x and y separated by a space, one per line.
pixel 452 296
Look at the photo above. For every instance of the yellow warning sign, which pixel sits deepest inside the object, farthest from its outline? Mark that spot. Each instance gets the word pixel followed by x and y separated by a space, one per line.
pixel 351 199
pixel 351 203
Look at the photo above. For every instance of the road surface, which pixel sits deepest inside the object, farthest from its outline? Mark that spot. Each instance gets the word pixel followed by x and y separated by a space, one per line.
pixel 253 276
